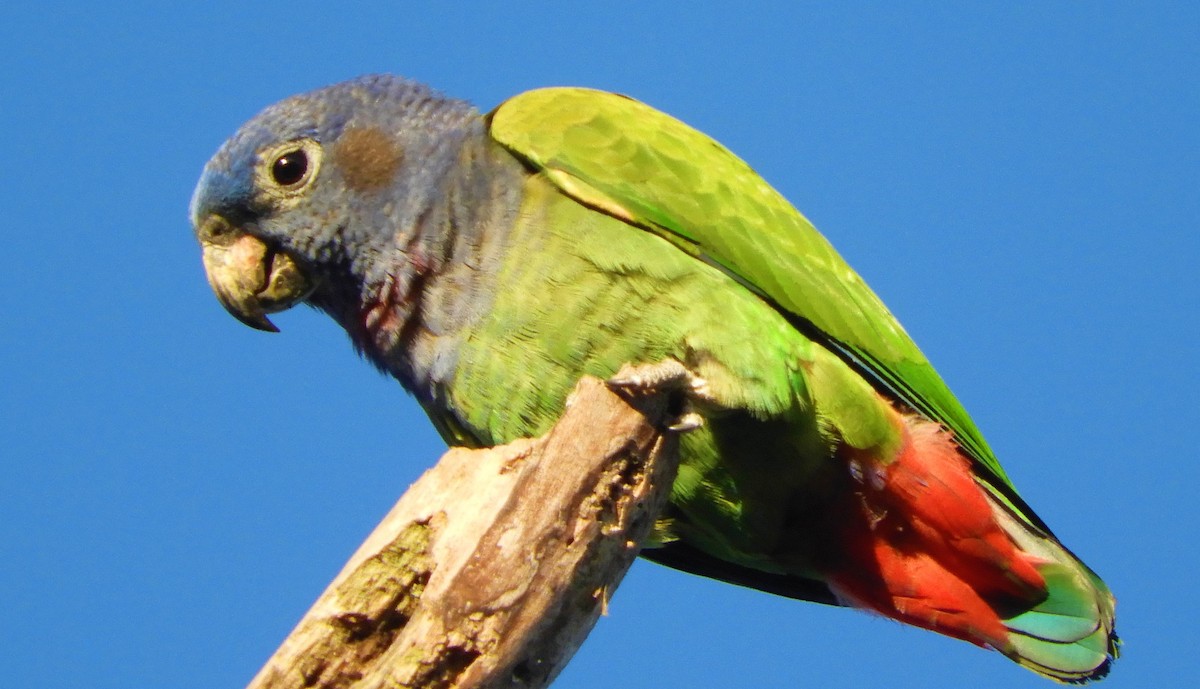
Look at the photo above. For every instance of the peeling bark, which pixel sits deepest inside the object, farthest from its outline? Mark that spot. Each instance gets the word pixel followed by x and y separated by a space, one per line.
pixel 494 566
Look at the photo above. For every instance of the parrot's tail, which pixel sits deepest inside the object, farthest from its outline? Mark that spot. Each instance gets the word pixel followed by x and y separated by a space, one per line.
pixel 924 543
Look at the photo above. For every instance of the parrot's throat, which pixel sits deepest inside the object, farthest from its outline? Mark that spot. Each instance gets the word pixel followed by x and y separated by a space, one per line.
pixel 384 317
pixel 425 294
pixel 388 320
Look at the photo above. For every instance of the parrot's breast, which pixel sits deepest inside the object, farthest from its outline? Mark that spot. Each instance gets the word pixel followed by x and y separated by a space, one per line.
pixel 580 292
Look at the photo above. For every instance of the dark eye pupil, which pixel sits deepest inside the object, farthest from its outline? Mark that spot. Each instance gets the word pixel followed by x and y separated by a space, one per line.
pixel 289 168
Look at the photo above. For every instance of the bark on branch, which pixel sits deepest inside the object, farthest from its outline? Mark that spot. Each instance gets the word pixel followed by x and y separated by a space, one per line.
pixel 494 566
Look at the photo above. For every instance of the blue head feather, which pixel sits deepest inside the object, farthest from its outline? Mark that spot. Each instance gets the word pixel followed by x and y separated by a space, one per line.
pixel 427 127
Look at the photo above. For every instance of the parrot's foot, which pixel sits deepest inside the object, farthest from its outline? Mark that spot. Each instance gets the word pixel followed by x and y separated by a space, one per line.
pixel 669 375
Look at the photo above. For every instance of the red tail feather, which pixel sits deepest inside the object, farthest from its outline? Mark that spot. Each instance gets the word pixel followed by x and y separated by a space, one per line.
pixel 916 540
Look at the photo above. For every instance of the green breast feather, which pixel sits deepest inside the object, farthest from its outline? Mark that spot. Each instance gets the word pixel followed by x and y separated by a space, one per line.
pixel 626 159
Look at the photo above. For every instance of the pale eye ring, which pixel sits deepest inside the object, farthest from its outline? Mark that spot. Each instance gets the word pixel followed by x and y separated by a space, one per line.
pixel 289 168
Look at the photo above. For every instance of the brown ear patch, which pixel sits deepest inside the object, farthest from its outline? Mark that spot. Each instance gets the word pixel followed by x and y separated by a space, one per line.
pixel 367 157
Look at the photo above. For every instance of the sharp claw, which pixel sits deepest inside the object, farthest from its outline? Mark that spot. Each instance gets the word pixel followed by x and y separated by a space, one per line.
pixel 688 421
pixel 665 375
pixel 669 375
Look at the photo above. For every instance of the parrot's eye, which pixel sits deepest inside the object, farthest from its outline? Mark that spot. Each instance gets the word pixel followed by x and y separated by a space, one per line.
pixel 289 168
pixel 286 170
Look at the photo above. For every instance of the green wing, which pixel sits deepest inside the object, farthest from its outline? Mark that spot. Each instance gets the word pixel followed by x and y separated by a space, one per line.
pixel 626 159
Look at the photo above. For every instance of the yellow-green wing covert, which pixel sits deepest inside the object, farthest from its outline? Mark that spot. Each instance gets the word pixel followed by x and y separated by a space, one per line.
pixel 632 161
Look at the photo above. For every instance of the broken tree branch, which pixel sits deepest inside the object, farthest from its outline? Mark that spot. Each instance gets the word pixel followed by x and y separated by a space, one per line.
pixel 494 566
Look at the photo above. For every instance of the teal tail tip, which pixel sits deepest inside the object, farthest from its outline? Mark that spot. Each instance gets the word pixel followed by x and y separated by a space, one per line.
pixel 1102 670
pixel 1070 636
pixel 1080 673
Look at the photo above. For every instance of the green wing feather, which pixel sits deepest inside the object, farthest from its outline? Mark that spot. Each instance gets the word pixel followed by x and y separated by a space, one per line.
pixel 626 159
pixel 632 161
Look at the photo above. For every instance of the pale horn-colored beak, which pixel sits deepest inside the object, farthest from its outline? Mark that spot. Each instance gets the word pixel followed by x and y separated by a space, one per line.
pixel 249 278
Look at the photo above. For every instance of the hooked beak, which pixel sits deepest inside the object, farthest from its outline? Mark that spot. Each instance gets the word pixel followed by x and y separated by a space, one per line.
pixel 249 278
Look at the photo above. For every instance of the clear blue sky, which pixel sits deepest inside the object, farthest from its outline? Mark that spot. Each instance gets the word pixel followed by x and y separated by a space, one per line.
pixel 1020 184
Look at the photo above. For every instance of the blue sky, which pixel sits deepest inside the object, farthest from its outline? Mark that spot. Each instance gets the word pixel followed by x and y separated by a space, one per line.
pixel 1019 182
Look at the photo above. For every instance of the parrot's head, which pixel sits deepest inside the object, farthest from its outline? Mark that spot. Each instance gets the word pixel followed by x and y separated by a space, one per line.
pixel 318 186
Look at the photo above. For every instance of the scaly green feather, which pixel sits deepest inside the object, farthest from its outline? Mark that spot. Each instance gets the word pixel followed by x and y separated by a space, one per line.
pixel 636 164
pixel 627 159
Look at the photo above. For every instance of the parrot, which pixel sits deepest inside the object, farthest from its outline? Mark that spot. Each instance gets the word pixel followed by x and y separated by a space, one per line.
pixel 487 261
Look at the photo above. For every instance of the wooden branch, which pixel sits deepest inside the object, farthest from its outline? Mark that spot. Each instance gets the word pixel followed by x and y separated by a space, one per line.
pixel 494 566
